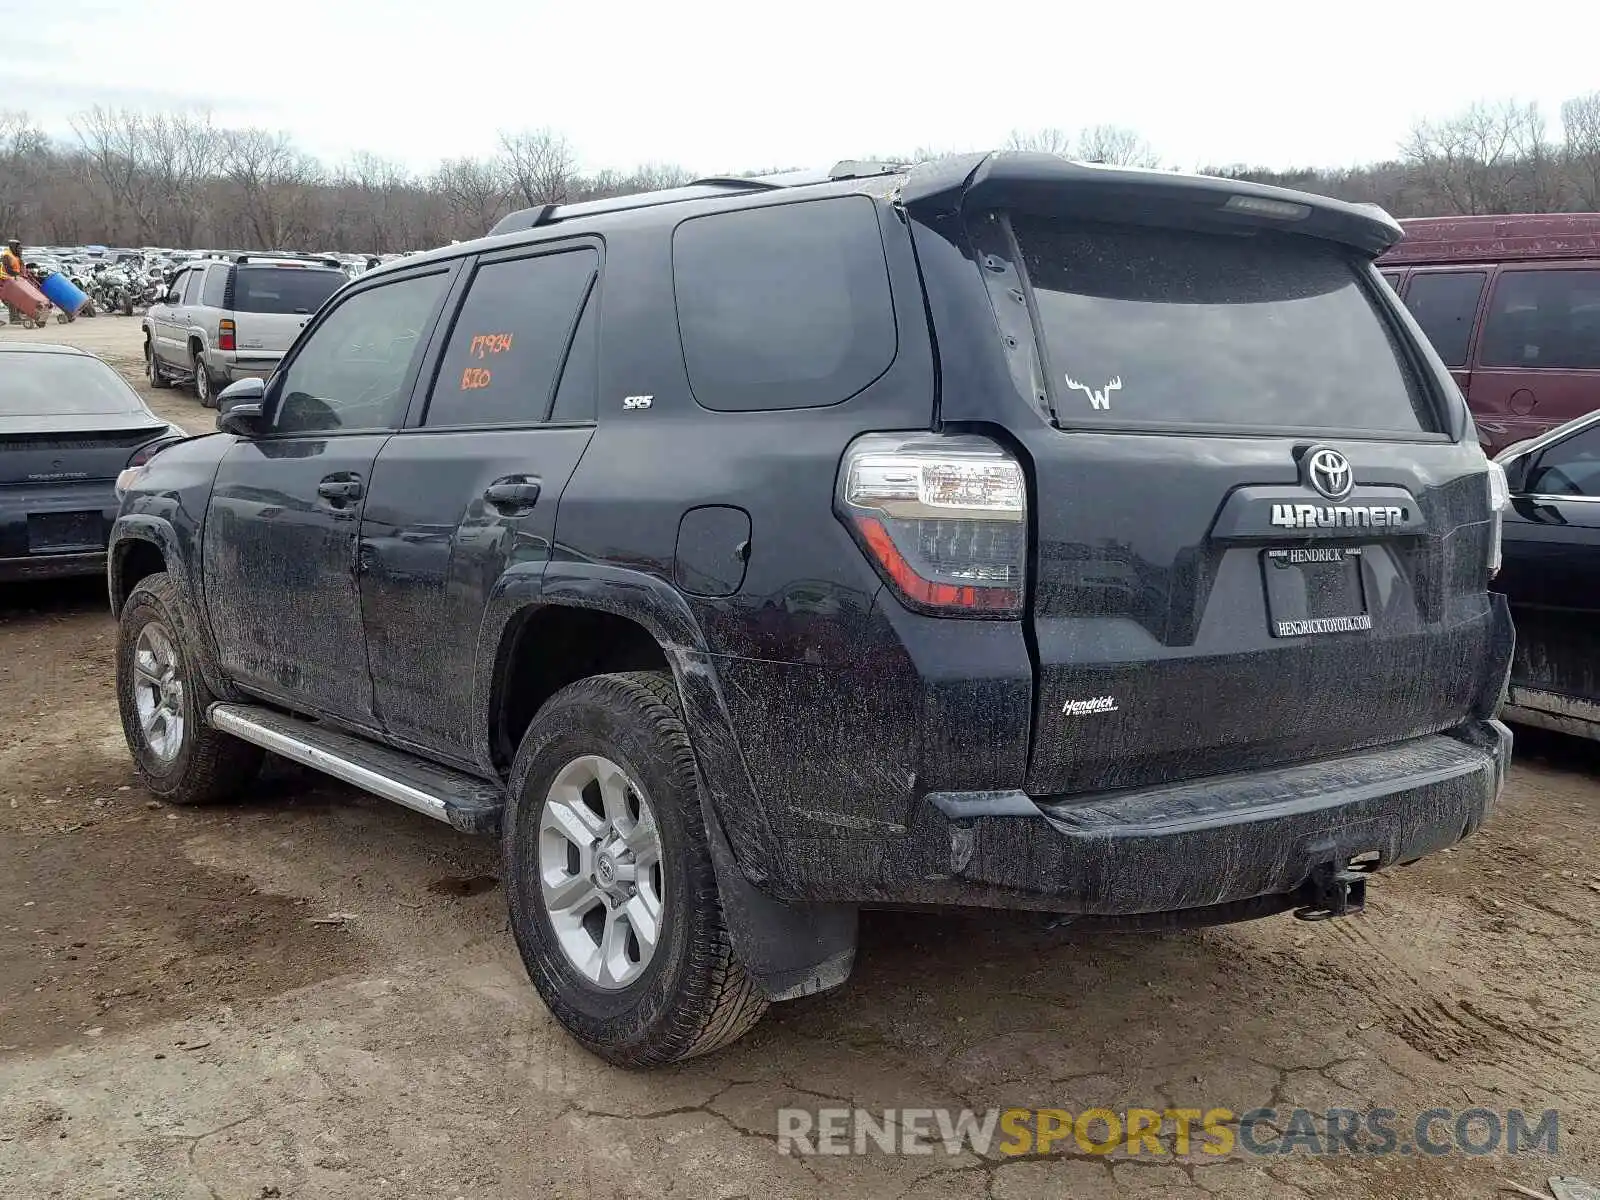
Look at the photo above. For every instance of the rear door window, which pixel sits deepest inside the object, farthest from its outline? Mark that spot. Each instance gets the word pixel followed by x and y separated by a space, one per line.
pixel 1545 319
pixel 1144 325
pixel 510 339
pixel 784 307
pixel 1445 304
pixel 191 287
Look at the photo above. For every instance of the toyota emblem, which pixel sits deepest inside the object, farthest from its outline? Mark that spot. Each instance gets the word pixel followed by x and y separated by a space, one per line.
pixel 1328 472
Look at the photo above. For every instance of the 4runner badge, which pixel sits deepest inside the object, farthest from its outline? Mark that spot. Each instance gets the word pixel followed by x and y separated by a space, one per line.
pixel 1089 708
pixel 1097 399
pixel 636 402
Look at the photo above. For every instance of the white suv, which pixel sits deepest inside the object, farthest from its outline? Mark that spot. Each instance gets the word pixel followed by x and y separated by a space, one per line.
pixel 221 321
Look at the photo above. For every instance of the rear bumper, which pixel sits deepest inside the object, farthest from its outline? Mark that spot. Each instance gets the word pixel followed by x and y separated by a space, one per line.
pixel 1258 838
pixel 231 365
pixel 21 558
pixel 52 566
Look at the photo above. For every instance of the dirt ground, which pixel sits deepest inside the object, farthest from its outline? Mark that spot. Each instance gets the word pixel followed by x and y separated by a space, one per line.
pixel 314 994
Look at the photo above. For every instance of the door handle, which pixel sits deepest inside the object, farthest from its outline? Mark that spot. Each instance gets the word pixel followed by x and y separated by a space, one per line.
pixel 339 489
pixel 512 493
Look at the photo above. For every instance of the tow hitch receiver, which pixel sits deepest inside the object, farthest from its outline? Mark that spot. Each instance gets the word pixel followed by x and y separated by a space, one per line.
pixel 1335 889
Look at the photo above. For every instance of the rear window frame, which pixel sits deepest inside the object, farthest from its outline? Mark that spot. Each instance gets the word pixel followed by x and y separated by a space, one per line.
pixel 1412 360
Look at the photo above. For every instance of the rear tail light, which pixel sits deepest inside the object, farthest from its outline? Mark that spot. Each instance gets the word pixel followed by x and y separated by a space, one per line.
pixel 225 335
pixel 944 520
pixel 129 475
pixel 1499 501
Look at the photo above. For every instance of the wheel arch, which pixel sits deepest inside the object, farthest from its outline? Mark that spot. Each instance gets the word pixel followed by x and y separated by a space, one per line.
pixel 142 545
pixel 612 598
pixel 789 949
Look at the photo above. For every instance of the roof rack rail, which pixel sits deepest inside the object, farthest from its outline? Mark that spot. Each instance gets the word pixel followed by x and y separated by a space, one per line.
pixel 262 256
pixel 697 189
pixel 754 183
pixel 850 168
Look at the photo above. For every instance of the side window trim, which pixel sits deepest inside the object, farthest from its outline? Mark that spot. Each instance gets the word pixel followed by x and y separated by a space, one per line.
pixel 455 303
pixel 590 296
pixel 274 390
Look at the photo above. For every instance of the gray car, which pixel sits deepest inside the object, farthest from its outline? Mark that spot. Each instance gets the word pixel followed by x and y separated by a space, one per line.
pixel 221 321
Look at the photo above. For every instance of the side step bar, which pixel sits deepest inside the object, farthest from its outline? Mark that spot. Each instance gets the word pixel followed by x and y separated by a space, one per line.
pixel 470 804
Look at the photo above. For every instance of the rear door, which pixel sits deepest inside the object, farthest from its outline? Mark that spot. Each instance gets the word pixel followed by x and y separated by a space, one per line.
pixel 1255 543
pixel 1551 573
pixel 1538 360
pixel 469 490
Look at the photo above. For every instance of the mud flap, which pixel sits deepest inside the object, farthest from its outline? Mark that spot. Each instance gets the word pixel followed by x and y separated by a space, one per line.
pixel 790 950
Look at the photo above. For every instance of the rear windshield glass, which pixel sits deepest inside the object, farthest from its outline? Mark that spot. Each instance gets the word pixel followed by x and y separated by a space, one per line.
pixel 283 289
pixel 1174 327
pixel 42 384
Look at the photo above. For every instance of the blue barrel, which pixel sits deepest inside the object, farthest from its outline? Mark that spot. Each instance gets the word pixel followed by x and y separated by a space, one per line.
pixel 63 293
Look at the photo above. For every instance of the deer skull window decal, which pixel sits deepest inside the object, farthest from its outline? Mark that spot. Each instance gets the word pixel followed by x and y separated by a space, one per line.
pixel 1099 398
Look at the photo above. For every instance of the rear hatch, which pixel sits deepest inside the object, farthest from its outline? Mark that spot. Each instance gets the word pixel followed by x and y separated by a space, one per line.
pixel 1257 538
pixel 271 304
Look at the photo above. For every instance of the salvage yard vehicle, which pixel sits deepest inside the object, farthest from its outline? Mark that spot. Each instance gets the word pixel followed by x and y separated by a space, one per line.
pixel 1551 576
pixel 69 424
pixel 1511 303
pixel 223 321
pixel 1001 531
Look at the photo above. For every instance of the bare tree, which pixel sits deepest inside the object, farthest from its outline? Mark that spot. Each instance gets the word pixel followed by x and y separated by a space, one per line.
pixel 25 166
pixel 1489 159
pixel 1049 140
pixel 176 179
pixel 1580 127
pixel 1116 146
pixel 182 153
pixel 274 183
pixel 380 187
pixel 473 191
pixel 541 166
pixel 1111 144
pixel 117 143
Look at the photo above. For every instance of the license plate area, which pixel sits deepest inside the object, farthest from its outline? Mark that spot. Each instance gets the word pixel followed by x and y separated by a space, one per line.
pixel 65 532
pixel 1315 590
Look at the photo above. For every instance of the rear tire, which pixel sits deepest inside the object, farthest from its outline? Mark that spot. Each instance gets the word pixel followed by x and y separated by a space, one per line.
pixel 636 1006
pixel 163 700
pixel 203 391
pixel 152 369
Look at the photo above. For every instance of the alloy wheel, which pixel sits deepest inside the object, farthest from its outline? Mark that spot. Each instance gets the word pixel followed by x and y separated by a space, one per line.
pixel 600 871
pixel 158 691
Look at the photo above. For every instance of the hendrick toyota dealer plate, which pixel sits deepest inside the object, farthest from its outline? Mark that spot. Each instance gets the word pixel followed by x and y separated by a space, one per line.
pixel 1315 590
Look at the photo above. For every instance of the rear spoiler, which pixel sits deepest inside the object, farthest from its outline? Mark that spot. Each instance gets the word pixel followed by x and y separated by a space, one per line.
pixel 1047 184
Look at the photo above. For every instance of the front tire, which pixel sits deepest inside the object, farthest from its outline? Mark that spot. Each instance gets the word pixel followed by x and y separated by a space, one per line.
pixel 613 896
pixel 163 700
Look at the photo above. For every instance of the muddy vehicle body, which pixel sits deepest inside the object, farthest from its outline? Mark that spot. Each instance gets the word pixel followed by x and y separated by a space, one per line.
pixel 1002 531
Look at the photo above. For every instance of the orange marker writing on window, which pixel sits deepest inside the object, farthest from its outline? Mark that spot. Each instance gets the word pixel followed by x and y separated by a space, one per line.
pixel 475 377
pixel 484 344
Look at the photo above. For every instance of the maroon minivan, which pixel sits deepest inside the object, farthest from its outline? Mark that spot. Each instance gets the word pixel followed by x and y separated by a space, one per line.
pixel 1512 305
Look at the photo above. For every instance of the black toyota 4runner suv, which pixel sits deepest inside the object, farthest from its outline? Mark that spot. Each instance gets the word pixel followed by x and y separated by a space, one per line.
pixel 1002 531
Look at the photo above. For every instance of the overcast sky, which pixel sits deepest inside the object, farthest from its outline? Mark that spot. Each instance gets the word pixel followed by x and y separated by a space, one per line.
pixel 716 85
